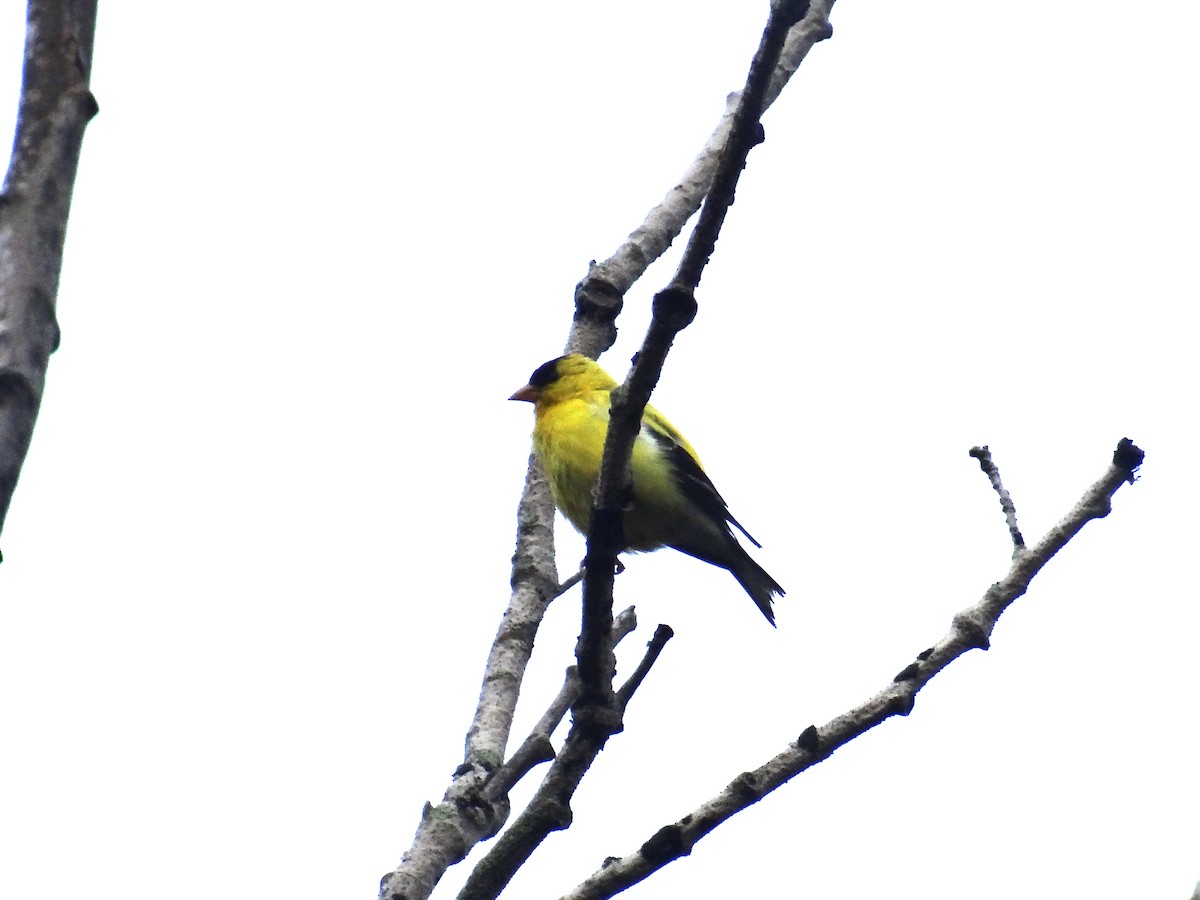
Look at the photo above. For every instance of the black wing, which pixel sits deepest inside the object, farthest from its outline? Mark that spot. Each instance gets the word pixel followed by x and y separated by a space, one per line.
pixel 696 485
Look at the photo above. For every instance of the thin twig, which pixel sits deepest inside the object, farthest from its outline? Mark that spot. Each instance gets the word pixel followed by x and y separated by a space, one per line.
pixel 654 648
pixel 568 584
pixel 548 811
pixel 970 629
pixel 984 455
pixel 536 748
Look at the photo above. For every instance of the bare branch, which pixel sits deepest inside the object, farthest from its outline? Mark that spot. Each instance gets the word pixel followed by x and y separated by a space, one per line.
pixel 809 32
pixel 536 748
pixel 970 629
pixel 598 297
pixel 745 132
pixel 466 814
pixel 547 811
pixel 1010 510
pixel 674 309
pixel 568 584
pixel 55 107
pixel 654 648
pixel 535 584
pixel 597 714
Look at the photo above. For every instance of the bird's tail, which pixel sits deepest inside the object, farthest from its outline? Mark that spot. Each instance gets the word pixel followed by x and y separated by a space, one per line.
pixel 761 587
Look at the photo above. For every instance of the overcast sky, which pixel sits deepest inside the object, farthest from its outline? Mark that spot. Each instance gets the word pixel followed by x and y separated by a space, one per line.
pixel 262 540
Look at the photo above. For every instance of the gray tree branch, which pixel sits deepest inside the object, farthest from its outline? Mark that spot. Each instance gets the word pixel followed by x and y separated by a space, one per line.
pixel 466 814
pixel 984 455
pixel 971 629
pixel 600 295
pixel 598 712
pixel 55 107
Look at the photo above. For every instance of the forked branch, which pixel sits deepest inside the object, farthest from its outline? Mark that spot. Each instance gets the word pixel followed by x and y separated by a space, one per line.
pixel 468 812
pixel 970 629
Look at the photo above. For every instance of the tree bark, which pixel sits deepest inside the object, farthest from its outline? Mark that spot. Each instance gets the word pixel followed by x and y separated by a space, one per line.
pixel 55 107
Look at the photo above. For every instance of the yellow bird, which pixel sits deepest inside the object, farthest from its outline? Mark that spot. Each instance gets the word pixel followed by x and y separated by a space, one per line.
pixel 674 503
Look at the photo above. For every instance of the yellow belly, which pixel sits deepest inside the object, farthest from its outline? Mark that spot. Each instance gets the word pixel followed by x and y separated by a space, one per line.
pixel 569 442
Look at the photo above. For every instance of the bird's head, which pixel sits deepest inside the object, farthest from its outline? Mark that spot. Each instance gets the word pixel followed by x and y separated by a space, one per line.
pixel 563 378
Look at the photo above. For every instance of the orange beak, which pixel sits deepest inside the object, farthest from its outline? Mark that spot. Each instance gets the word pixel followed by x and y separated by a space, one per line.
pixel 528 393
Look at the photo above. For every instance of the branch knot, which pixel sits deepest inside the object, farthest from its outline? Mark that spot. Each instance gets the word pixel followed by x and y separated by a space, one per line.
pixel 675 307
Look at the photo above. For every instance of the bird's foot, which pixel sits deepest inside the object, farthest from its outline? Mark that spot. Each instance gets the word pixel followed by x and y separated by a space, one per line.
pixel 617 569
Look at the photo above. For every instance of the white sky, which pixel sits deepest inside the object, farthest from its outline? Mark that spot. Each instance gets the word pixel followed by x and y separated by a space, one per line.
pixel 262 540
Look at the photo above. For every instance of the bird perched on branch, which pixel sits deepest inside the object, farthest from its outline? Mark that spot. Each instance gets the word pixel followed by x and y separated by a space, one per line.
pixel 674 504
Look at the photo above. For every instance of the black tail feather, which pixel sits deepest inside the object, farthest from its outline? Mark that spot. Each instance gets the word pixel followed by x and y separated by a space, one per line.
pixel 761 587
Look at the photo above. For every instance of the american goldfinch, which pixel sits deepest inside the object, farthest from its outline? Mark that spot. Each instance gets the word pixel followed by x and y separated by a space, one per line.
pixel 674 504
